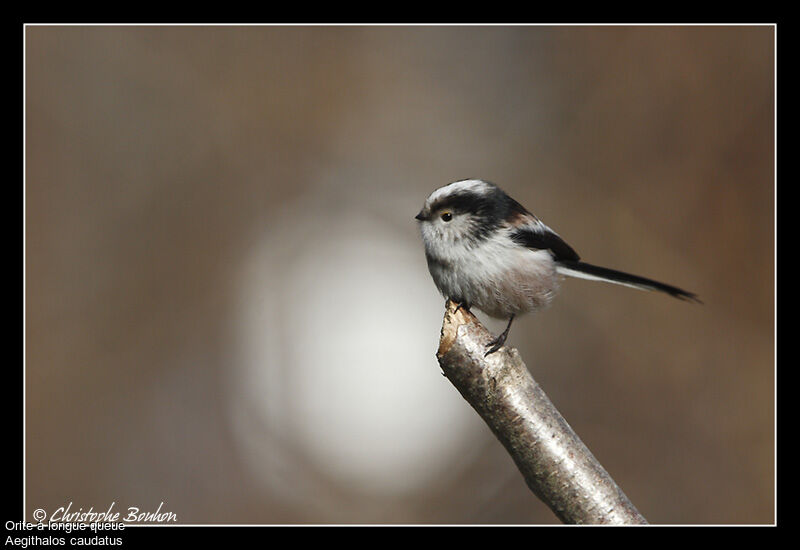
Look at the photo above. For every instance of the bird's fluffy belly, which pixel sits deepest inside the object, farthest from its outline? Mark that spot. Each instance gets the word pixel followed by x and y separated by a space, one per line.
pixel 499 282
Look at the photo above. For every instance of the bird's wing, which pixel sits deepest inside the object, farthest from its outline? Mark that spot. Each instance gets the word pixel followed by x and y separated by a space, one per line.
pixel 538 236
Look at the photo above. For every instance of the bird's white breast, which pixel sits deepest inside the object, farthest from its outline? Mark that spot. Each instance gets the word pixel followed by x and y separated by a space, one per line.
pixel 496 275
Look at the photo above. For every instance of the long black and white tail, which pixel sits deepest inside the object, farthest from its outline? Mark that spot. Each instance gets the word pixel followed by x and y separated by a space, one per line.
pixel 591 272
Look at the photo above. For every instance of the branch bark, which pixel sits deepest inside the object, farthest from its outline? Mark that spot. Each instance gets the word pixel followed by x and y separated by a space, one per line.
pixel 555 463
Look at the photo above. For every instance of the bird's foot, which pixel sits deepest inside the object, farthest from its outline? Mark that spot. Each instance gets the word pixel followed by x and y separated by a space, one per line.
pixel 495 344
pixel 498 342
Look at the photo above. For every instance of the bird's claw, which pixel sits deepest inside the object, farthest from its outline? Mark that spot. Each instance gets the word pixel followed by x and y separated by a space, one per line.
pixel 495 345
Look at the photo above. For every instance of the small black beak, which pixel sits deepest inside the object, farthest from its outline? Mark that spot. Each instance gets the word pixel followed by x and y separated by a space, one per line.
pixel 419 216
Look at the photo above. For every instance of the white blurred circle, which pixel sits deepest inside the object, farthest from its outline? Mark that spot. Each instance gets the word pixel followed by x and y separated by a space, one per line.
pixel 338 325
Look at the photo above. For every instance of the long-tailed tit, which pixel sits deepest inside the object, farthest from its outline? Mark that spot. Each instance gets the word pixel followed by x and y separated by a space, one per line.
pixel 484 249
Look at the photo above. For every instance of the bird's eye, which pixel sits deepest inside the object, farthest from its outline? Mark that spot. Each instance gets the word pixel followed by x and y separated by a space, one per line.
pixel 447 216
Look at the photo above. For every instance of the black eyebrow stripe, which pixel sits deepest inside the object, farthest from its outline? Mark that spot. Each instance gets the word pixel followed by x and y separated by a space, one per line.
pixel 493 203
pixel 461 202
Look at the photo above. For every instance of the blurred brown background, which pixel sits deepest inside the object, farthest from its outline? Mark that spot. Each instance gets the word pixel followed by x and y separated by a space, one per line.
pixel 228 307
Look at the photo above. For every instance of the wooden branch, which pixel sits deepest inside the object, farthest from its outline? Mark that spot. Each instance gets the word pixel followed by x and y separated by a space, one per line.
pixel 555 463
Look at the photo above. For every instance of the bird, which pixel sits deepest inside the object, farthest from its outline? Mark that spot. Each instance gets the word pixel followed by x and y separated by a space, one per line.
pixel 486 250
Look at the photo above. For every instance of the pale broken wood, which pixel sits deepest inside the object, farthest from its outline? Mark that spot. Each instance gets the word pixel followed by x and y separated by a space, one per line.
pixel 555 463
